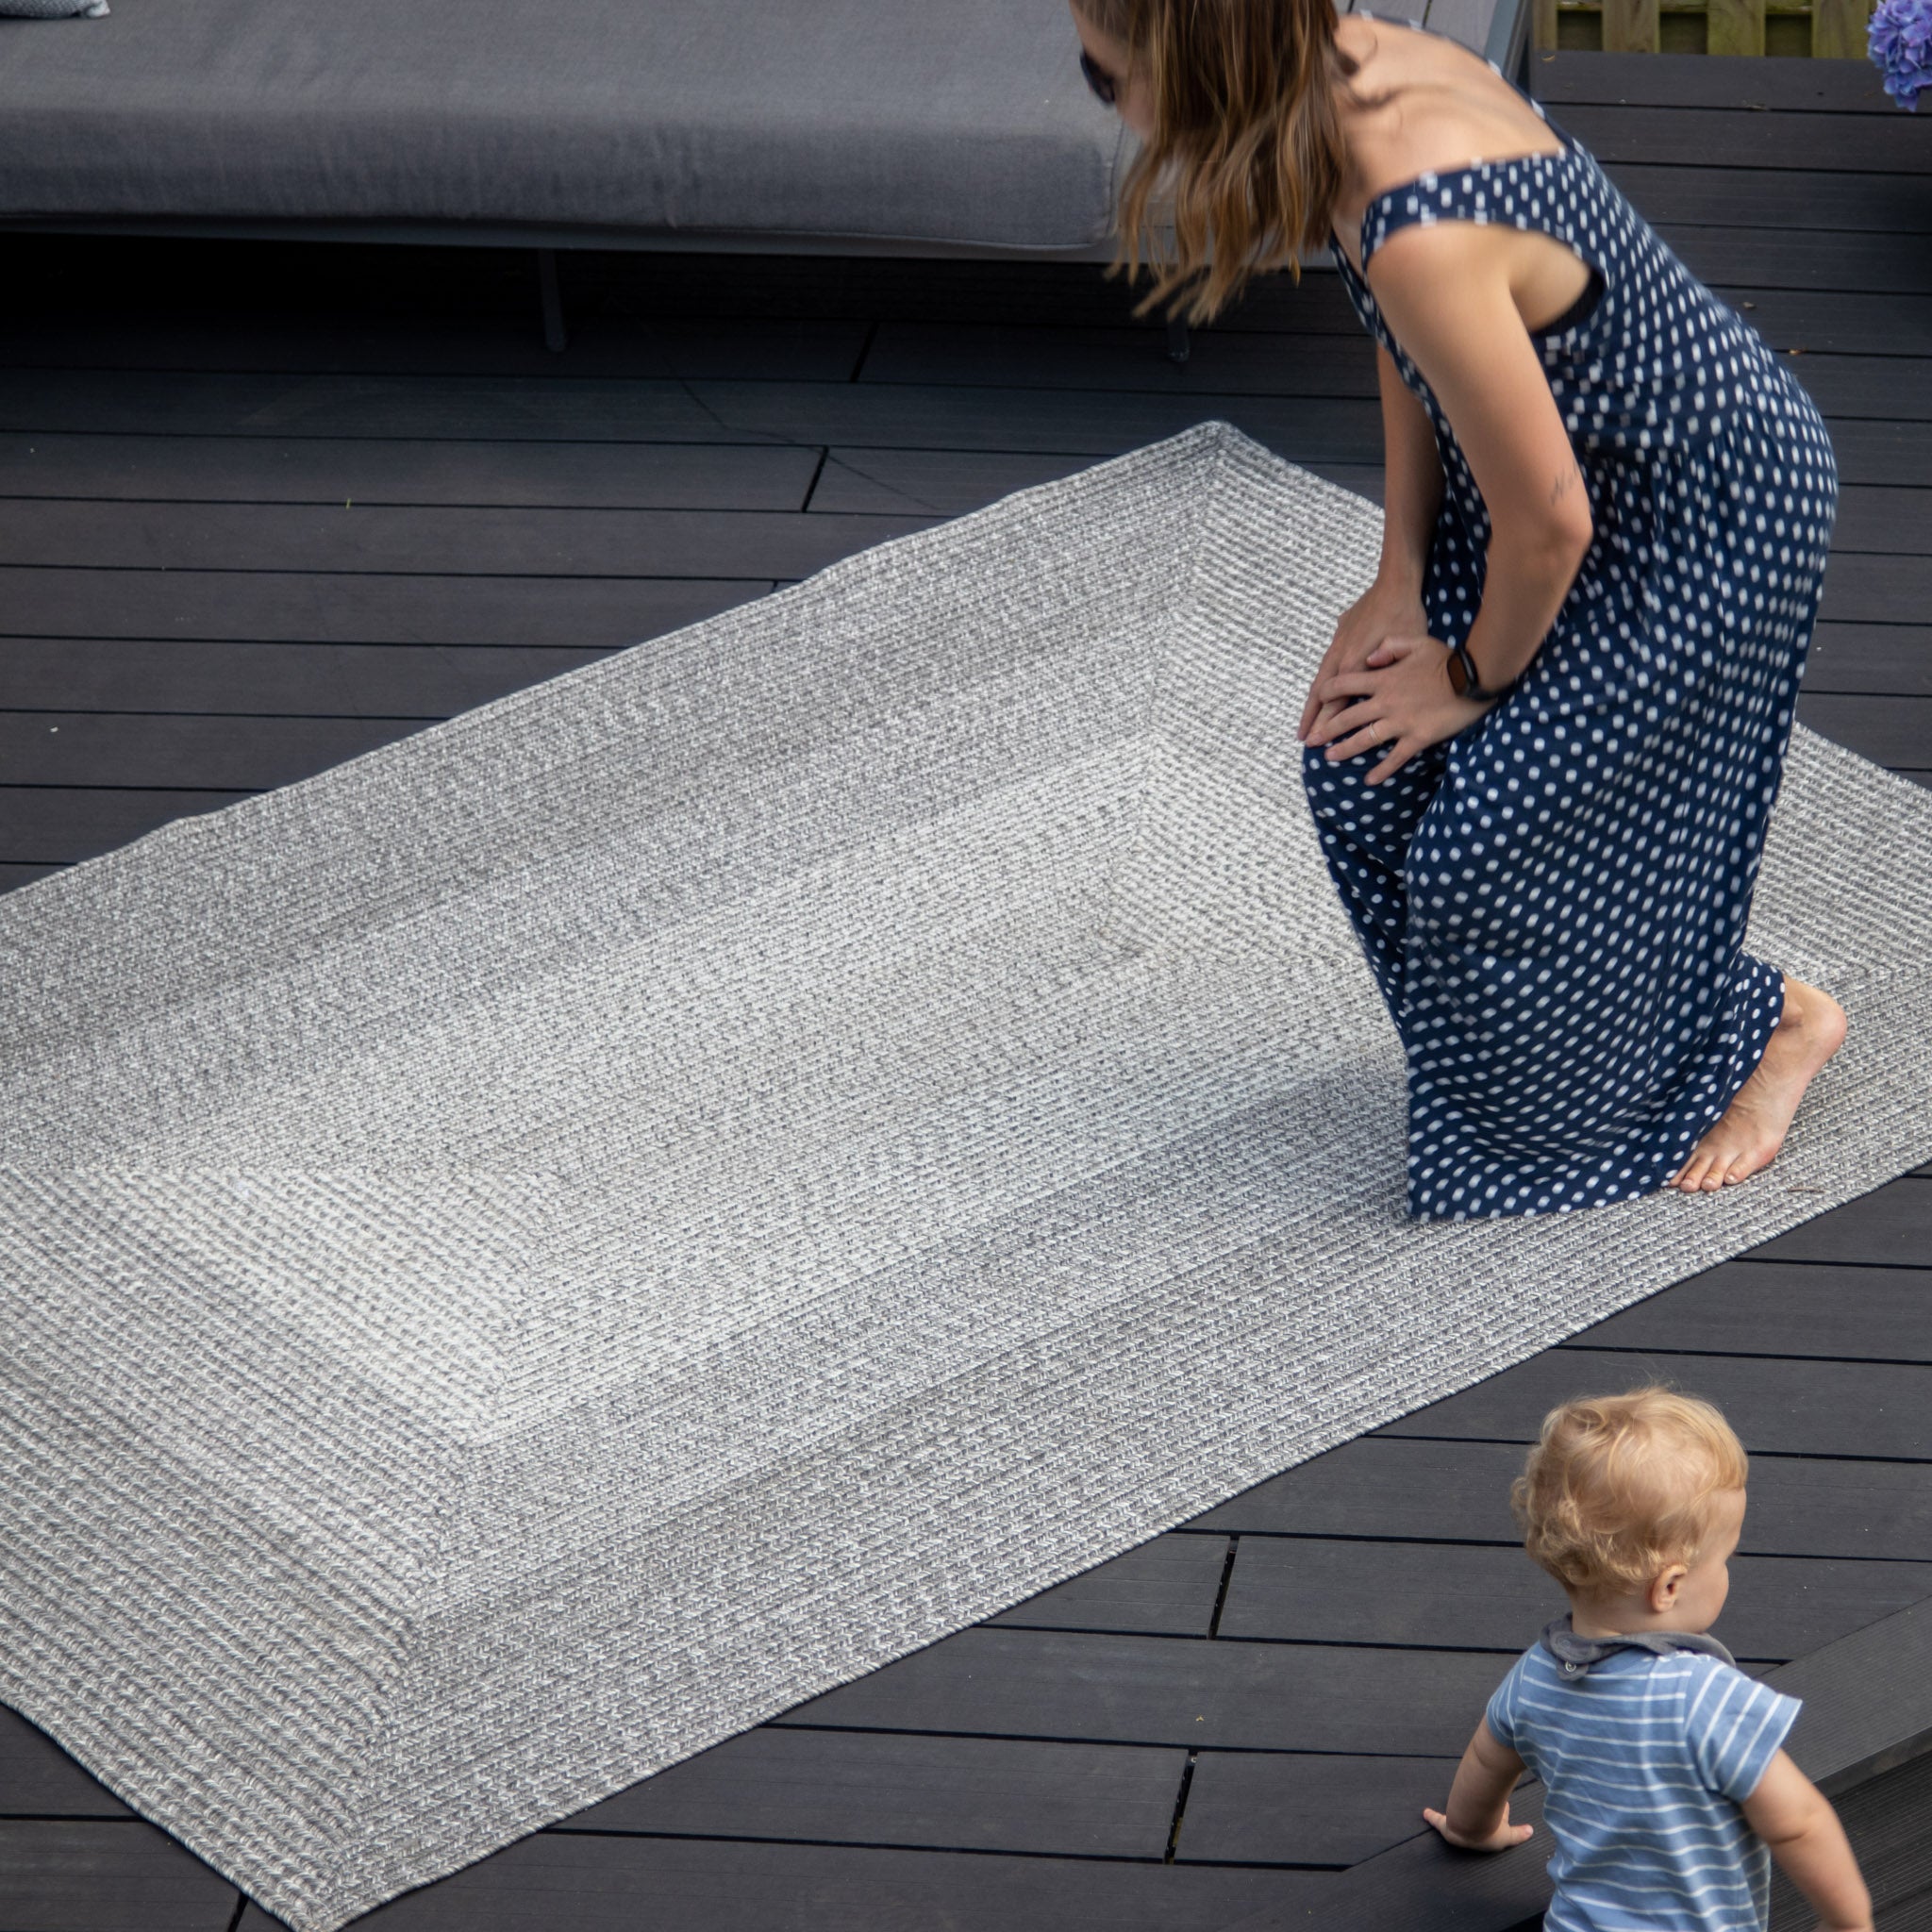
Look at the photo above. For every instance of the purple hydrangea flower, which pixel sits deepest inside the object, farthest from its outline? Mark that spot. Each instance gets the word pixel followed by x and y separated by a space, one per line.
pixel 1900 42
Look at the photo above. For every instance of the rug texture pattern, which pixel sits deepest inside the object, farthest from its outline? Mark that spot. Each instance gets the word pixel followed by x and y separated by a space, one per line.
pixel 553 1242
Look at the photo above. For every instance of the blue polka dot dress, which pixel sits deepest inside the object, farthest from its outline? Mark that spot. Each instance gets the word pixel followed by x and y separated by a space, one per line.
pixel 1553 902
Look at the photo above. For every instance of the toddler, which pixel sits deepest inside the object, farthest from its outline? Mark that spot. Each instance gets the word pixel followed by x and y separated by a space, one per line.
pixel 1667 1786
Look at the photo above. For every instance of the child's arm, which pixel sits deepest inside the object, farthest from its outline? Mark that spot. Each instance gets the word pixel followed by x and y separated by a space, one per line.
pixel 1479 1814
pixel 1795 1819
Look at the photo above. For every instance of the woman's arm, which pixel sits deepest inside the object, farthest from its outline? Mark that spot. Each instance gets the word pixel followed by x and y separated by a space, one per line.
pixel 1477 1817
pixel 1414 483
pixel 1444 288
pixel 1412 495
pixel 1795 1819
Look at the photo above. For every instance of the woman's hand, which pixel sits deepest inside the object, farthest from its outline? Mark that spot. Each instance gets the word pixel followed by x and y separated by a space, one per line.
pixel 1401 701
pixel 1382 610
pixel 1500 1840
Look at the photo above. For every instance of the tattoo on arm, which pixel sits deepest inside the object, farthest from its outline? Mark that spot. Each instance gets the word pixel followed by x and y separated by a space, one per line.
pixel 1566 481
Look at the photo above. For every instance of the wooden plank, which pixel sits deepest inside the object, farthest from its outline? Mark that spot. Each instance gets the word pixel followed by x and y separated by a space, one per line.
pixel 1173 1691
pixel 368 470
pixel 1252 361
pixel 1888 730
pixel 60 825
pixel 1777 1406
pixel 480 542
pixel 1840 263
pixel 1890 1228
pixel 1787 199
pixel 114 1875
pixel 1838 143
pixel 1781 1307
pixel 38 1779
pixel 1840 29
pixel 932 482
pixel 339 680
pixel 56 331
pixel 1691 80
pixel 885 1788
pixel 1167 1587
pixel 1885 1821
pixel 1871 658
pixel 1387 1487
pixel 1733 27
pixel 1309 1589
pixel 1872 587
pixel 1270 1807
pixel 558 1881
pixel 507 408
pixel 1428 1884
pixel 366 608
pixel 1631 26
pixel 1811 322
pixel 1897 521
pixel 79 748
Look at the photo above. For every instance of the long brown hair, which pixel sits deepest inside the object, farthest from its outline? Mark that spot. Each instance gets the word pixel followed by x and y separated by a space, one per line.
pixel 1247 147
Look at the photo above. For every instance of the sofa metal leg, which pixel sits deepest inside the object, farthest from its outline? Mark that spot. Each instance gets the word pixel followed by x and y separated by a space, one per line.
pixel 1176 338
pixel 552 298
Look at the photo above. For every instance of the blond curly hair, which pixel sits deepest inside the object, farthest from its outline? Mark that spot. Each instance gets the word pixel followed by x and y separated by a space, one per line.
pixel 1618 1486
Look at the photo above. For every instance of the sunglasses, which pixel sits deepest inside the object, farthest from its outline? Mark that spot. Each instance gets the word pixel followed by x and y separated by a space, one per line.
pixel 1098 78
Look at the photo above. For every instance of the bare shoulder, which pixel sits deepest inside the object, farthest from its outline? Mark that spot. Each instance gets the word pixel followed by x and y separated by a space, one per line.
pixel 1446 108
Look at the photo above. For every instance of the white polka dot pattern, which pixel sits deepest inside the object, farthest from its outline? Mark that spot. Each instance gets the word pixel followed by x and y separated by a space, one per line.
pixel 1555 902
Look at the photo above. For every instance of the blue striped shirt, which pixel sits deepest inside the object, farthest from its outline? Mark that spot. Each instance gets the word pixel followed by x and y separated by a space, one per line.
pixel 1645 1761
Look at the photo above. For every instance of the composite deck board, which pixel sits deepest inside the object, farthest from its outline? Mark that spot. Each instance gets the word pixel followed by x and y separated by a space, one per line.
pixel 1782 1308
pixel 1825 142
pixel 804 351
pixel 38 1779
pixel 336 470
pixel 265 607
pixel 1833 87
pixel 1886 1823
pixel 1390 1488
pixel 980 1794
pixel 618 1882
pixel 1894 658
pixel 517 542
pixel 892 415
pixel 1120 1689
pixel 1375 1592
pixel 421 681
pixel 1777 1404
pixel 1271 1807
pixel 1775 198
pixel 1303 1590
pixel 105 1875
pixel 1167 1587
pixel 1842 262
pixel 1890 1228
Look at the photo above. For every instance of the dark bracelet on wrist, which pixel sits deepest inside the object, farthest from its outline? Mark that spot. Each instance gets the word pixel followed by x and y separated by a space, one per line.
pixel 1466 682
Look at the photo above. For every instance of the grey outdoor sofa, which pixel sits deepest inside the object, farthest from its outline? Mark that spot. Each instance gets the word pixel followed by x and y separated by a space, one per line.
pixel 847 126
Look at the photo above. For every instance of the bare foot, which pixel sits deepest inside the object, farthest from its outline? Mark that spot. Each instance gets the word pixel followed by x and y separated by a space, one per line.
pixel 1753 1128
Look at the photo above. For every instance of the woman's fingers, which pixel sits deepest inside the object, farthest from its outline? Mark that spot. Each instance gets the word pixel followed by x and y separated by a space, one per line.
pixel 1399 755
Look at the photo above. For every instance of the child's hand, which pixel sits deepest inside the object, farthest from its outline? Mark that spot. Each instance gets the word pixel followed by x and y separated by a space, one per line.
pixel 1500 1840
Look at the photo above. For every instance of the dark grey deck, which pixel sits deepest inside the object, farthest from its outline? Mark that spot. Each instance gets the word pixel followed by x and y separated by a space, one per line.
pixel 271 506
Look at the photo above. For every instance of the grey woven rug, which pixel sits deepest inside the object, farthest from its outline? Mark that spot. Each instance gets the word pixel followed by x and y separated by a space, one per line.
pixel 551 1241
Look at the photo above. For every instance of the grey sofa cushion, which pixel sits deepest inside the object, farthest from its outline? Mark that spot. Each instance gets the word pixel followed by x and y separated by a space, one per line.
pixel 868 118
